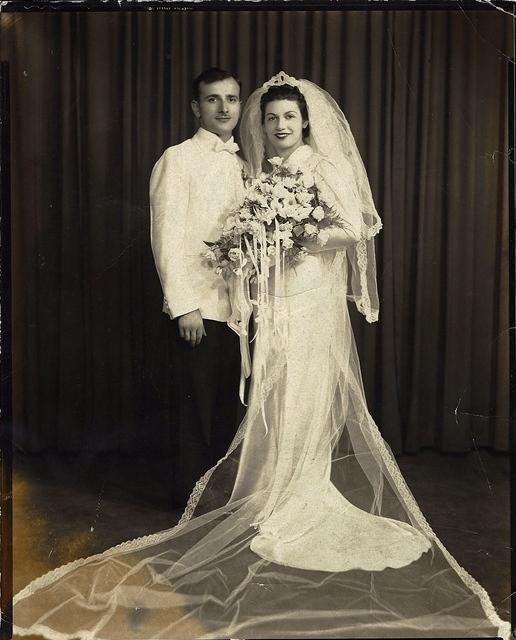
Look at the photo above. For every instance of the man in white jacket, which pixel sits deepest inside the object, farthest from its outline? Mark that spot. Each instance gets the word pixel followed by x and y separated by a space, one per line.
pixel 193 187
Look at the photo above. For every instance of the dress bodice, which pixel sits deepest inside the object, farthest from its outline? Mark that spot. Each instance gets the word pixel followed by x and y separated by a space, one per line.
pixel 312 271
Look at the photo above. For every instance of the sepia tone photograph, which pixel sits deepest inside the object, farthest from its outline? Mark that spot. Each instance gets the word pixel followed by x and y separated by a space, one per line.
pixel 260 321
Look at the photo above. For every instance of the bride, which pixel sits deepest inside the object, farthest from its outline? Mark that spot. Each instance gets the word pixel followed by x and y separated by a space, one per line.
pixel 306 527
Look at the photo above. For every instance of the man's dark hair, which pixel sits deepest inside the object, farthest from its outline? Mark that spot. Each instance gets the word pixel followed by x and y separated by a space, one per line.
pixel 286 92
pixel 213 74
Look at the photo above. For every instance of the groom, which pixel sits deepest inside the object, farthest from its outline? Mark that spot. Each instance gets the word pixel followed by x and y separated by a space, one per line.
pixel 193 187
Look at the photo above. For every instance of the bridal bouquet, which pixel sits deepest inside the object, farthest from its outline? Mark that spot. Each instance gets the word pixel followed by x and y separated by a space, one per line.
pixel 281 210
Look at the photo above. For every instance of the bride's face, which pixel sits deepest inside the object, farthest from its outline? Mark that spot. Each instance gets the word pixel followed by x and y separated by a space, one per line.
pixel 283 125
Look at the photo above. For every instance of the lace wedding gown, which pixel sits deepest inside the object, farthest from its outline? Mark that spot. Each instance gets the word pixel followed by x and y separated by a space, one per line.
pixel 319 537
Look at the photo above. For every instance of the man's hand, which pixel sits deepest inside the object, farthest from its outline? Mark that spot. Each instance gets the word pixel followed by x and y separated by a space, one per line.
pixel 191 327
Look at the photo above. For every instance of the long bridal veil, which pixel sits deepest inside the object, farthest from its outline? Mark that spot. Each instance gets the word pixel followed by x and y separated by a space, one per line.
pixel 305 529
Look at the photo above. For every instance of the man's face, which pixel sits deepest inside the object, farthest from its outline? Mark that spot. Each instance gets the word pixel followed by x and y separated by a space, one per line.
pixel 218 107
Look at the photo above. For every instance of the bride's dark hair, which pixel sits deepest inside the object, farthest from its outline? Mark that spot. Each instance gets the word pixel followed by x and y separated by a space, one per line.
pixel 286 92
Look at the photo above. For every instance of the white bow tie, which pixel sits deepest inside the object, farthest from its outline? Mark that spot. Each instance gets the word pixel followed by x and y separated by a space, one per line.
pixel 231 147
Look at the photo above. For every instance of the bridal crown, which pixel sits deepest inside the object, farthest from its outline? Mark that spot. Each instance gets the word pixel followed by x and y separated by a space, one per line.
pixel 279 79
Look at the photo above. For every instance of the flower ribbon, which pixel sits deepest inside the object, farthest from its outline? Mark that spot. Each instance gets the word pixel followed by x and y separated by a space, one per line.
pixel 242 304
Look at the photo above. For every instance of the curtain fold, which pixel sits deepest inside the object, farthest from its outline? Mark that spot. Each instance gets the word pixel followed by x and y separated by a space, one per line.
pixel 96 98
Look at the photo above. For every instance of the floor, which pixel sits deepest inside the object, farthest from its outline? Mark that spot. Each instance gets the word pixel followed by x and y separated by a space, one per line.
pixel 74 506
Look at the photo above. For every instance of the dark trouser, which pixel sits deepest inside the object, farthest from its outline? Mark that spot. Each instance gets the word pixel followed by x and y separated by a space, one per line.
pixel 207 409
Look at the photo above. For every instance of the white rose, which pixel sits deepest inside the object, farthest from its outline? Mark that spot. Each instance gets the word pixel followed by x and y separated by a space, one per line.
pixel 280 192
pixel 288 243
pixel 234 254
pixel 290 200
pixel 310 229
pixel 299 213
pixel 303 213
pixel 303 197
pixel 286 234
pixel 318 213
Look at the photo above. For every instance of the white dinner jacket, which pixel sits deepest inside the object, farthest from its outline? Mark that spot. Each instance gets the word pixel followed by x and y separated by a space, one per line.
pixel 193 187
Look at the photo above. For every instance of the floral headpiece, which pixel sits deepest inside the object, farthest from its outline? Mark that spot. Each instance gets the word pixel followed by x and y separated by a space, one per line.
pixel 279 79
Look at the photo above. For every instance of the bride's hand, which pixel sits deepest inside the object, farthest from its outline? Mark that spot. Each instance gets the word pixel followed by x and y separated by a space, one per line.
pixel 310 245
pixel 330 239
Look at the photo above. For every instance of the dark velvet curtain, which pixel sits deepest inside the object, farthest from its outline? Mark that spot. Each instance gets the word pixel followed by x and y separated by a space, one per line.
pixel 95 100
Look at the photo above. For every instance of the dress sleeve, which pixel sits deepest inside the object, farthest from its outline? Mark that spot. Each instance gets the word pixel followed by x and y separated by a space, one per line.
pixel 338 186
pixel 337 189
pixel 169 198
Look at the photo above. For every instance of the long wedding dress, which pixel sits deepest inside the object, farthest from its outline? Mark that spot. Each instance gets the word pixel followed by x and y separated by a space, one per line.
pixel 306 528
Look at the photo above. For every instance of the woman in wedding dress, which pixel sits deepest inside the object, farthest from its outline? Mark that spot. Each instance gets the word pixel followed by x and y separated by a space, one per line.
pixel 320 536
